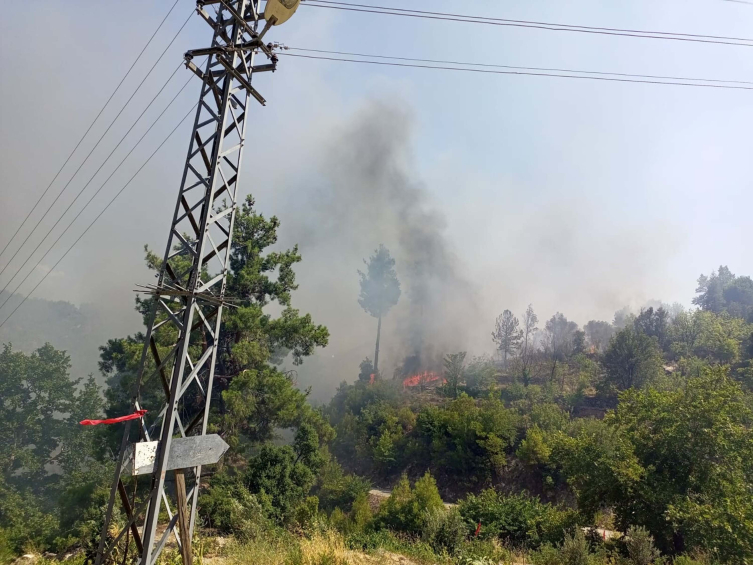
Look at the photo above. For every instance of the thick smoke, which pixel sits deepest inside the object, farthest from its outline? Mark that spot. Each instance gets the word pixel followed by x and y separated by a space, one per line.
pixel 368 194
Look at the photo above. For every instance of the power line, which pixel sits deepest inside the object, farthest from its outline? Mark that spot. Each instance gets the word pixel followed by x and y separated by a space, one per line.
pixel 91 125
pixel 440 61
pixel 89 181
pixel 533 22
pixel 523 73
pixel 95 146
pixel 371 9
pixel 99 215
pixel 542 23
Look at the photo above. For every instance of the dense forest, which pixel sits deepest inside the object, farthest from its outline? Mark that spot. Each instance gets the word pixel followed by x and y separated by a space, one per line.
pixel 622 441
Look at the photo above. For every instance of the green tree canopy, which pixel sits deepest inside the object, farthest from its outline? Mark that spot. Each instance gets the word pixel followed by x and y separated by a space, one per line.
pixel 507 334
pixel 679 463
pixel 252 396
pixel 454 368
pixel 44 452
pixel 380 290
pixel 654 323
pixel 631 360
pixel 722 291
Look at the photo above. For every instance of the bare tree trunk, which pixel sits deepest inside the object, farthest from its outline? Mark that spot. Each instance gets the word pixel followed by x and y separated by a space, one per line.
pixel 376 352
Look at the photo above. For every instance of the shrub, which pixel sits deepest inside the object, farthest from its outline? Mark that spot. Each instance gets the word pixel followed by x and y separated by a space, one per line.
pixel 574 549
pixel 7 553
pixel 384 540
pixel 282 476
pixel 229 507
pixel 361 515
pixel 484 552
pixel 339 520
pixel 369 540
pixel 335 488
pixel 640 546
pixel 533 449
pixel 444 530
pixel 406 509
pixel 518 519
pixel 468 440
pixel 687 560
pixel 306 513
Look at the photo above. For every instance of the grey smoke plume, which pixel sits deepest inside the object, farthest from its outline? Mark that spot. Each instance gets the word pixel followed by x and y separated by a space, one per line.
pixel 368 195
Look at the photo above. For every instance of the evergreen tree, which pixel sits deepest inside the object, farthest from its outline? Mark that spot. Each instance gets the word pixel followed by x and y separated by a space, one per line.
pixel 530 327
pixel 380 290
pixel 507 334
pixel 251 395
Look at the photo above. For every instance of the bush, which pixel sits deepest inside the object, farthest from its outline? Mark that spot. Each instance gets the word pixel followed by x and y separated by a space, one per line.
pixel 406 509
pixel 640 546
pixel 339 521
pixel 468 440
pixel 361 515
pixel 444 530
pixel 282 476
pixel 547 554
pixel 517 519
pixel 306 514
pixel 574 549
pixel 687 560
pixel 336 489
pixel 7 553
pixel 483 552
pixel 229 507
pixel 369 540
pixel 533 449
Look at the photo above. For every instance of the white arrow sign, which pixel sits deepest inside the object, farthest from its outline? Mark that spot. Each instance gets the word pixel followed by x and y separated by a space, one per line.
pixel 185 453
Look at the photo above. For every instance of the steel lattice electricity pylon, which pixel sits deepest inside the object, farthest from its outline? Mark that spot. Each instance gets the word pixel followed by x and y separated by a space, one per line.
pixel 182 340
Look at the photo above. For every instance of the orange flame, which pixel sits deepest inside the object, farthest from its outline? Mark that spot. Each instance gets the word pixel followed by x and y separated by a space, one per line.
pixel 421 379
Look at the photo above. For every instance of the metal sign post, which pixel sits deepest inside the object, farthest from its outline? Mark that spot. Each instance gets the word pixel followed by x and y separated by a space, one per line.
pixel 189 296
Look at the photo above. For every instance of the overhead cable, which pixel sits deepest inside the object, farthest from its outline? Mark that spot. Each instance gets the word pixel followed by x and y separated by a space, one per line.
pixel 92 196
pixel 519 72
pixel 99 215
pixel 95 146
pixel 497 66
pixel 669 36
pixel 91 125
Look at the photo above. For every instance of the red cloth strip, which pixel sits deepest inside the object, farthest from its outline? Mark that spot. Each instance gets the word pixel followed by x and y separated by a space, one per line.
pixel 134 416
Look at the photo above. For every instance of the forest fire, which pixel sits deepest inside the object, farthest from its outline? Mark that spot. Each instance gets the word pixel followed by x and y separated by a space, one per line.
pixel 421 379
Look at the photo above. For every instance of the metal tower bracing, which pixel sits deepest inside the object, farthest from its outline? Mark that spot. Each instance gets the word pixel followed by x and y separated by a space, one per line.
pixel 182 339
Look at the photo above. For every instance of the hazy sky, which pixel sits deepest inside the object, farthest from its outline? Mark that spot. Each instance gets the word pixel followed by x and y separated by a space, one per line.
pixel 576 196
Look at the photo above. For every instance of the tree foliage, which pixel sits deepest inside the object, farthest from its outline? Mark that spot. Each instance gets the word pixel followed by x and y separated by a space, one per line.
pixel 380 289
pixel 632 360
pixel 40 407
pixel 454 369
pixel 723 292
pixel 252 396
pixel 407 509
pixel 507 334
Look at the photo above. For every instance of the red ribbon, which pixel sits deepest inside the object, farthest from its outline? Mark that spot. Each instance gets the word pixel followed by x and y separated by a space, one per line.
pixel 478 530
pixel 134 416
